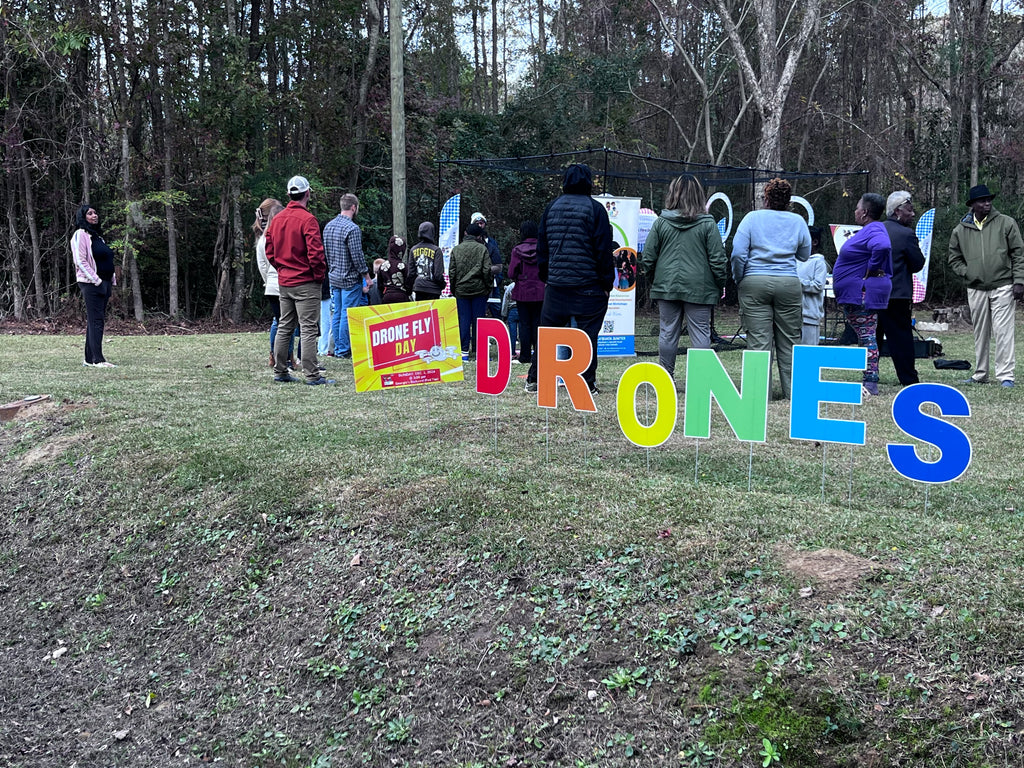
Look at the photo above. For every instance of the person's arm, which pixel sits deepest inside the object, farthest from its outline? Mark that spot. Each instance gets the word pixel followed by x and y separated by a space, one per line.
pixel 912 255
pixel 716 255
pixel 957 262
pixel 651 252
pixel 1015 246
pixel 741 250
pixel 812 278
pixel 83 257
pixel 542 246
pixel 879 254
pixel 803 248
pixel 261 257
pixel 315 248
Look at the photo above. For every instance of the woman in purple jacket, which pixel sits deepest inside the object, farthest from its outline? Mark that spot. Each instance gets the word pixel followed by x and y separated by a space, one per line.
pixel 862 278
pixel 528 291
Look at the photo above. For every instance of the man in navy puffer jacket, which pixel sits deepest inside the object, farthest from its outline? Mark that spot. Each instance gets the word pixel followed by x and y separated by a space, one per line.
pixel 574 254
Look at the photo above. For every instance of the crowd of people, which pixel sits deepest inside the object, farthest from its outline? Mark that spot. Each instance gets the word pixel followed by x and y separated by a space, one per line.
pixel 564 268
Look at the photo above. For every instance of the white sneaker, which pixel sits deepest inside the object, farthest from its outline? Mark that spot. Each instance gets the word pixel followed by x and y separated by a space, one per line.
pixel 104 364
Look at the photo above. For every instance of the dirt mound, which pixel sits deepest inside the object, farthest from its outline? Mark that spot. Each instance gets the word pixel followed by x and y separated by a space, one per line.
pixel 830 567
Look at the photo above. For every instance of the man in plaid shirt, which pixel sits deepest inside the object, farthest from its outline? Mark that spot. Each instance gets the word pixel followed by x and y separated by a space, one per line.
pixel 346 270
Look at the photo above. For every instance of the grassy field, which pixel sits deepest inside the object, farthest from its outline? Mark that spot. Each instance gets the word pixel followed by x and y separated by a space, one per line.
pixel 200 566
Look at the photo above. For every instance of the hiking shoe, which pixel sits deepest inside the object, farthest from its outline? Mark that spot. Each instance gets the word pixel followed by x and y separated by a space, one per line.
pixel 531 386
pixel 1007 383
pixel 284 378
pixel 317 382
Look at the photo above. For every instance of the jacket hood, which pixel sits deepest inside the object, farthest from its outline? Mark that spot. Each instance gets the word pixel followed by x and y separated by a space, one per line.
pixel 426 231
pixel 681 222
pixel 968 219
pixel 527 250
pixel 578 180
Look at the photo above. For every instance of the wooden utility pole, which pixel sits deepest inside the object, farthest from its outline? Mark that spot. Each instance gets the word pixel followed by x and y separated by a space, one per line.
pixel 397 119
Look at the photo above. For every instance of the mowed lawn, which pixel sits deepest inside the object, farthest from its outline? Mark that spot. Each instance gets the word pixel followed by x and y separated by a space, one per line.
pixel 200 566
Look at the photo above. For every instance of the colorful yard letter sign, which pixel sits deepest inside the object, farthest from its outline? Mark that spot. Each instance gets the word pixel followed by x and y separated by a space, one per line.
pixel 400 345
pixel 488 328
pixel 706 378
pixel 810 390
pixel 953 445
pixel 616 338
pixel 664 423
pixel 570 371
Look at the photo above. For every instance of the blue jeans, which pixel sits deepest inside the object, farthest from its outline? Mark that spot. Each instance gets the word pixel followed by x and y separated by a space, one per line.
pixel 343 299
pixel 469 310
pixel 322 342
pixel 513 326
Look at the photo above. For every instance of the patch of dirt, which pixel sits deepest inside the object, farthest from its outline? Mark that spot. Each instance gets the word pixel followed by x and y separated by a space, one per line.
pixel 47 451
pixel 830 567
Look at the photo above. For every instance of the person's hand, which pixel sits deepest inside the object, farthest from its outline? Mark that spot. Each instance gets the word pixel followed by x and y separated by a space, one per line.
pixel 1018 291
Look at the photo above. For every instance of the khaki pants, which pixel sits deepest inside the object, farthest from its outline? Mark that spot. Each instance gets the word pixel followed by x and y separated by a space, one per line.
pixel 301 304
pixel 772 314
pixel 992 315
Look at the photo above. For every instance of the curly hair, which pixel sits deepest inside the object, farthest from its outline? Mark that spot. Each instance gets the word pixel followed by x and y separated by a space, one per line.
pixel 777 193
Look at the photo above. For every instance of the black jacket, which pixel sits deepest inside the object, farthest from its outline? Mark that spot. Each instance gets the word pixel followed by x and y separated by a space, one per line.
pixel 574 244
pixel 906 259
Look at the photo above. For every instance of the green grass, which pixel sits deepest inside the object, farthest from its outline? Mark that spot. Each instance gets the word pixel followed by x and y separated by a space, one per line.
pixel 285 575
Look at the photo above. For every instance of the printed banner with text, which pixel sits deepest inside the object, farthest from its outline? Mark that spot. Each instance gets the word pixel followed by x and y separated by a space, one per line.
pixel 403 345
pixel 619 327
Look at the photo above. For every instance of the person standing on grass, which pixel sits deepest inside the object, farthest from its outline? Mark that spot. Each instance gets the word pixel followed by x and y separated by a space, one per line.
pixel 494 300
pixel 471 275
pixel 986 250
pixel 767 246
pixel 574 256
pixel 863 279
pixel 527 289
pixel 812 273
pixel 397 275
pixel 686 264
pixel 349 275
pixel 429 261
pixel 265 213
pixel 894 321
pixel 295 249
pixel 94 269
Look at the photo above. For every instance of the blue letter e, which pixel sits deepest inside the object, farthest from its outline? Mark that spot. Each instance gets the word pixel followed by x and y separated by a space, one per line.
pixel 954 446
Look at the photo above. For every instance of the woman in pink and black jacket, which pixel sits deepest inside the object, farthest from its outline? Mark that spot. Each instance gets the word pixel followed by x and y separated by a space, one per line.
pixel 528 291
pixel 94 267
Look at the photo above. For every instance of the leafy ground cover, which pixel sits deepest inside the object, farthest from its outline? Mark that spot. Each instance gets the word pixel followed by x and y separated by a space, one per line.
pixel 199 566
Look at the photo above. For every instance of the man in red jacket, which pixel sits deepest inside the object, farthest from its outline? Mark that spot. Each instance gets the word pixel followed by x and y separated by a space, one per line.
pixel 296 250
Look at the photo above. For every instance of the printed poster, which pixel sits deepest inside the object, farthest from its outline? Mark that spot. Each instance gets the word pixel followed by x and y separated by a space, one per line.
pixel 616 338
pixel 841 233
pixel 405 345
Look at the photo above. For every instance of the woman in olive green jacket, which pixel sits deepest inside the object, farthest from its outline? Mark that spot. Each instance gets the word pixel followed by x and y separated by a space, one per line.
pixel 685 262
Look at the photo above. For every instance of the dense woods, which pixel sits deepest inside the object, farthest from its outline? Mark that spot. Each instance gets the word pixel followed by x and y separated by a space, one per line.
pixel 176 118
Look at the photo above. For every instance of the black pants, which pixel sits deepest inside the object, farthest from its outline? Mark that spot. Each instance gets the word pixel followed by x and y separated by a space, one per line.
pixel 529 321
pixel 96 298
pixel 894 325
pixel 563 305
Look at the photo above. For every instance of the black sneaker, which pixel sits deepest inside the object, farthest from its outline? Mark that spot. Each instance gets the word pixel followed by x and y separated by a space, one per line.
pixel 594 390
pixel 284 378
pixel 531 386
pixel 321 380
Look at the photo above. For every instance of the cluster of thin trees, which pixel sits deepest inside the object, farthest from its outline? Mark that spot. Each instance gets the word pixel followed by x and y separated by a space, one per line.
pixel 176 117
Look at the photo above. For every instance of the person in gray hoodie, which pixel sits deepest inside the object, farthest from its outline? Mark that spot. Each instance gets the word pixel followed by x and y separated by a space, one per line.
pixel 685 262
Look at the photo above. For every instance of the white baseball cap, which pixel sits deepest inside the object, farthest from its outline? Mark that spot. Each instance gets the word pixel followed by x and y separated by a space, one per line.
pixel 297 185
pixel 477 217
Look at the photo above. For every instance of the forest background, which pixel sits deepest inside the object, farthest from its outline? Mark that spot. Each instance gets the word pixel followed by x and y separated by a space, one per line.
pixel 176 118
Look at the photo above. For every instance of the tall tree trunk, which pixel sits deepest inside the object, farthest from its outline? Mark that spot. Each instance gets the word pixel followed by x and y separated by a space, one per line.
pixel 172 230
pixel 33 232
pixel 15 248
pixel 221 261
pixel 365 80
pixel 494 57
pixel 542 40
pixel 398 214
pixel 237 251
pixel 129 251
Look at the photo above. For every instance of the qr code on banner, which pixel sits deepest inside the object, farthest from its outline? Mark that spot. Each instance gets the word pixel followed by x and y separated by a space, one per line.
pixel 609 326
